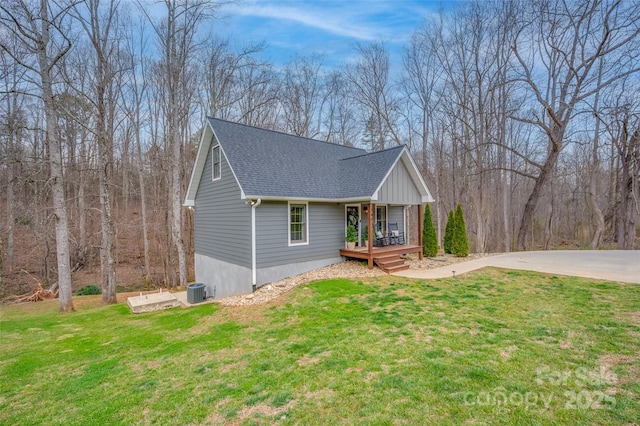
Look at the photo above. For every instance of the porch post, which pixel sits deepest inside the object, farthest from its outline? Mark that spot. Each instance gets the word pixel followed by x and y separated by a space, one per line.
pixel 420 256
pixel 370 237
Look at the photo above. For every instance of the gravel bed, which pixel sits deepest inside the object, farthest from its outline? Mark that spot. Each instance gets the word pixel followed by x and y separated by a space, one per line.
pixel 348 269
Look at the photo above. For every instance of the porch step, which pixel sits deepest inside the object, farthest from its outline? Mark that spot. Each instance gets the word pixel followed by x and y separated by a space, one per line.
pixel 390 263
pixel 397 268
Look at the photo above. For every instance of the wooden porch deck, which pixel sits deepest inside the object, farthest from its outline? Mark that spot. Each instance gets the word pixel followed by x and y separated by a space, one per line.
pixel 387 258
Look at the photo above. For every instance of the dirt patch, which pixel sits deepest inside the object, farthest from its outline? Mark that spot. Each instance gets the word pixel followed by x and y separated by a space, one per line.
pixel 152 365
pixel 632 317
pixel 506 352
pixel 236 365
pixel 611 360
pixel 215 418
pixel 264 410
pixel 565 344
pixel 630 370
pixel 307 360
pixel 320 396
pixel 243 317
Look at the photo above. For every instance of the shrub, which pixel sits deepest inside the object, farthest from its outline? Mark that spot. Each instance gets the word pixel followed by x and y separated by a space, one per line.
pixel 352 234
pixel 448 232
pixel 88 290
pixel 22 219
pixel 460 242
pixel 429 238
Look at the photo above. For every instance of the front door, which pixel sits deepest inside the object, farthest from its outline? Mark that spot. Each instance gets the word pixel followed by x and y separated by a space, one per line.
pixel 352 217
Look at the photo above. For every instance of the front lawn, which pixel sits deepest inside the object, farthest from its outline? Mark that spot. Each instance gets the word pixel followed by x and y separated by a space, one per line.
pixel 492 347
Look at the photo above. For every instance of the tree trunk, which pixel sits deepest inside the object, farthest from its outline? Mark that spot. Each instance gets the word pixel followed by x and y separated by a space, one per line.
pixel 59 208
pixel 506 192
pixel 532 202
pixel 176 192
pixel 55 165
pixel 549 224
pixel 106 249
pixel 593 200
pixel 10 204
pixel 82 219
pixel 143 206
pixel 592 194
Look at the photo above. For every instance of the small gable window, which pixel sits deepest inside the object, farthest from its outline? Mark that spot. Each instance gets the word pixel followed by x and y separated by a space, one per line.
pixel 298 223
pixel 215 162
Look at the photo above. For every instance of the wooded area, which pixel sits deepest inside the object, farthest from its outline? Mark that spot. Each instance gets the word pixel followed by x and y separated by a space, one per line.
pixel 525 113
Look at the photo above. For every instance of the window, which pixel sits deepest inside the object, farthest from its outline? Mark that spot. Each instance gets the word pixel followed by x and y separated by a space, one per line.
pixel 298 224
pixel 381 218
pixel 215 163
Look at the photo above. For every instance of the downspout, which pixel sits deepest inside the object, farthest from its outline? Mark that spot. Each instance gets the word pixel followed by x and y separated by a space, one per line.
pixel 254 206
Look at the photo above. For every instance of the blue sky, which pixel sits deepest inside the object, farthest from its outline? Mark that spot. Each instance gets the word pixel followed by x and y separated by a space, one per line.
pixel 329 27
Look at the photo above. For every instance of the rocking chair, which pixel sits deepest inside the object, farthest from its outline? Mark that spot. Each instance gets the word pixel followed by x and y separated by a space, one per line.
pixel 379 239
pixel 395 235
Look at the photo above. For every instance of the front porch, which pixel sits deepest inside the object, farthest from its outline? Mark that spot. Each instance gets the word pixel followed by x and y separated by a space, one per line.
pixel 387 258
pixel 387 255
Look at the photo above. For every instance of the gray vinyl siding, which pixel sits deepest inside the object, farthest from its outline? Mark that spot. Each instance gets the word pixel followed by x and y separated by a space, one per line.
pixel 326 234
pixel 222 219
pixel 399 188
pixel 396 215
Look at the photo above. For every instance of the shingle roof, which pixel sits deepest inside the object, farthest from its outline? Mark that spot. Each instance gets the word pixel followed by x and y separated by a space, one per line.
pixel 276 165
pixel 273 164
pixel 360 176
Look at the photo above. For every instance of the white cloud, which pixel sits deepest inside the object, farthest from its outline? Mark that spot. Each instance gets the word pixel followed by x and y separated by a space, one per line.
pixel 336 20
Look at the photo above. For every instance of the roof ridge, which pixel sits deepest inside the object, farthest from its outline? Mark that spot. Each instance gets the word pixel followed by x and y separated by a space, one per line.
pixel 374 152
pixel 285 134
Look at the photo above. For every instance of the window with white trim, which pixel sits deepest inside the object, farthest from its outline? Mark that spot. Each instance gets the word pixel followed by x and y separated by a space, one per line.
pixel 298 223
pixel 216 164
pixel 381 219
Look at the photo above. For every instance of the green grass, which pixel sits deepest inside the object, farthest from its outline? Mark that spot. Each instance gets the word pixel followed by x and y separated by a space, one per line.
pixel 493 347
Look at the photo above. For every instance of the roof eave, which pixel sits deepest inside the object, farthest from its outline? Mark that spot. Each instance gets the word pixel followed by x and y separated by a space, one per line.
pixel 310 199
pixel 198 167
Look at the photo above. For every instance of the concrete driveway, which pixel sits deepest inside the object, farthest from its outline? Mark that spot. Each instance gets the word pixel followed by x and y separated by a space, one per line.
pixel 613 265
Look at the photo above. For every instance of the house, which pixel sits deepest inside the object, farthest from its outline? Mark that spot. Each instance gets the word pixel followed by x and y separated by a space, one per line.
pixel 269 205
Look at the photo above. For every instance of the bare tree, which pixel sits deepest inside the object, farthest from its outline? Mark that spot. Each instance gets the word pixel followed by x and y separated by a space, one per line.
pixel 176 36
pixel 566 40
pixel 12 129
pixel 101 26
pixel 41 30
pixel 135 95
pixel 223 71
pixel 339 116
pixel 302 96
pixel 372 90
pixel 257 94
pixel 621 118
pixel 595 168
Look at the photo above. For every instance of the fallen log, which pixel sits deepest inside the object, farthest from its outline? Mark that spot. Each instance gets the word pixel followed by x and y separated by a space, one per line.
pixel 38 294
